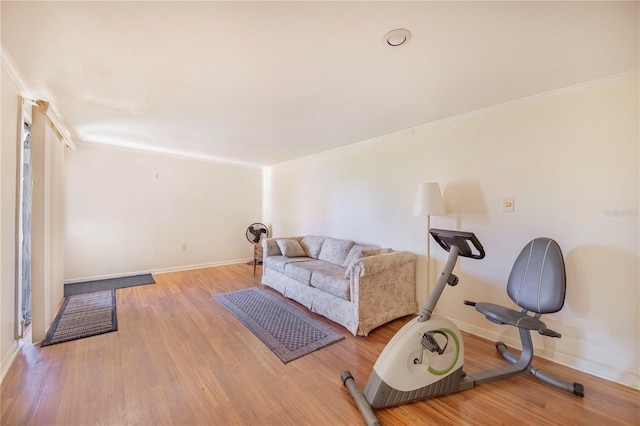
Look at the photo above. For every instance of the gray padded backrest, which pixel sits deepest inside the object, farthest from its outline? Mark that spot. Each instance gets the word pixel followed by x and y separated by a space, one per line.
pixel 537 281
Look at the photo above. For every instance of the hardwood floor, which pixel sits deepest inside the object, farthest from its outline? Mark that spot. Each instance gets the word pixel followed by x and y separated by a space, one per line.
pixel 180 358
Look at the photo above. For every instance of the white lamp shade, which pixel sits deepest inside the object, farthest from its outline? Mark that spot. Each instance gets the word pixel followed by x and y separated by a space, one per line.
pixel 428 200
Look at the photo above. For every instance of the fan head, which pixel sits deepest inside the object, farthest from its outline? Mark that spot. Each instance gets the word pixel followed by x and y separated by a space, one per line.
pixel 256 232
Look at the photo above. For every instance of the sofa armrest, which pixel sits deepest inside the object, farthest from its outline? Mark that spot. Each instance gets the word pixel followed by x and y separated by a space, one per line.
pixel 383 288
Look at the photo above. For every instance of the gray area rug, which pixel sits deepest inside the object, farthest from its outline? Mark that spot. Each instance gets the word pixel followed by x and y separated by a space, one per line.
pixel 286 330
pixel 108 284
pixel 83 315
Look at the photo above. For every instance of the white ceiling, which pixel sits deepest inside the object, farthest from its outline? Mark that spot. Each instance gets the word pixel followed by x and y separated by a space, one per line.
pixel 264 82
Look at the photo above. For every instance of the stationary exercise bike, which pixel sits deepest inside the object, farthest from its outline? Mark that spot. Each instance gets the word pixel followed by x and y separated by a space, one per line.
pixel 425 357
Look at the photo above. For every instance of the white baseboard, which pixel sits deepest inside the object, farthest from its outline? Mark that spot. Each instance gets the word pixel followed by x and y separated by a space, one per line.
pixel 201 266
pixel 158 271
pixel 9 358
pixel 602 371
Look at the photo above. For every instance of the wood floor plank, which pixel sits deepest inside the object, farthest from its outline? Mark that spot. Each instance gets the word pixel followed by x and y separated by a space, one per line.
pixel 180 358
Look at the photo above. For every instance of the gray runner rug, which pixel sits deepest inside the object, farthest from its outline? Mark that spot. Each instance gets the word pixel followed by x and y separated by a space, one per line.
pixel 286 330
pixel 82 316
pixel 108 284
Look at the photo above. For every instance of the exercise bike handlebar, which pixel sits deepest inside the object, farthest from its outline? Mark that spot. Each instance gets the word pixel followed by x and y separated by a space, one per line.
pixel 457 244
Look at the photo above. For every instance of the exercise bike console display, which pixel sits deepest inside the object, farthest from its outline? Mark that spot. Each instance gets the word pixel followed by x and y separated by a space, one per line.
pixel 447 239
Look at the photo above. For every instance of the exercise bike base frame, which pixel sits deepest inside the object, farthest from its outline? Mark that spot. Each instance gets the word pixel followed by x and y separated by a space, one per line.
pixel 361 402
pixel 574 387
pixel 379 394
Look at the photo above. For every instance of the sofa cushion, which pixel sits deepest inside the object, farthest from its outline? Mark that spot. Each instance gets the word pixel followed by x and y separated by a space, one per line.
pixel 366 252
pixel 332 281
pixel 335 251
pixel 290 248
pixel 355 252
pixel 312 245
pixel 301 271
pixel 278 263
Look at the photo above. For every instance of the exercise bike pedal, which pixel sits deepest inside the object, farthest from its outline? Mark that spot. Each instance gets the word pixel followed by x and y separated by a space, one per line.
pixel 550 333
pixel 430 343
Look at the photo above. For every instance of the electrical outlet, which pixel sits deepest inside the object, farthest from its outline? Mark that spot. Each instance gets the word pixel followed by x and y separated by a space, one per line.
pixel 507 205
pixel 183 246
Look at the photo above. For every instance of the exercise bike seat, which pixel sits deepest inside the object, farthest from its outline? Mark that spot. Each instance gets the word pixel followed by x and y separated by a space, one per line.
pixel 506 316
pixel 503 315
pixel 537 284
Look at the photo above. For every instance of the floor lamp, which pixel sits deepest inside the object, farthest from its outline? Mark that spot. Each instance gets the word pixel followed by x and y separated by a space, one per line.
pixel 428 203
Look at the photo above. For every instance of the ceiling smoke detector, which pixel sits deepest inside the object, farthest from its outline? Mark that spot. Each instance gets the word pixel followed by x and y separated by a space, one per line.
pixel 397 37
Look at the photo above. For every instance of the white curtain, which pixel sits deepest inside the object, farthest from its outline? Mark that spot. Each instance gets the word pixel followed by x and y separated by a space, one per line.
pixel 47 243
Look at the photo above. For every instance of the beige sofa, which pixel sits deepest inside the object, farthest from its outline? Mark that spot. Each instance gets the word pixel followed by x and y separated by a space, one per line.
pixel 357 286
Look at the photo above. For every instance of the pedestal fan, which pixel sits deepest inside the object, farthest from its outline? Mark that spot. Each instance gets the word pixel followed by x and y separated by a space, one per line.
pixel 256 232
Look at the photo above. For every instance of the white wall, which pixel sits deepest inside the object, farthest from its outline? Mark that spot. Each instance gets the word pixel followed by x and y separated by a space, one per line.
pixel 571 161
pixel 8 159
pixel 130 212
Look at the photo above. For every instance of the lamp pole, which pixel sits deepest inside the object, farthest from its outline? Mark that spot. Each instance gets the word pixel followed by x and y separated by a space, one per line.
pixel 428 203
pixel 428 255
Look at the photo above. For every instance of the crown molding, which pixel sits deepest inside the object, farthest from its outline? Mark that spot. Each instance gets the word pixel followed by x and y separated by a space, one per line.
pixel 552 94
pixel 14 73
pixel 165 152
pixel 27 94
pixel 601 82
